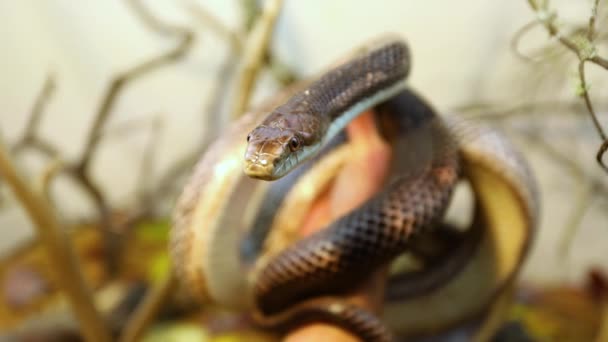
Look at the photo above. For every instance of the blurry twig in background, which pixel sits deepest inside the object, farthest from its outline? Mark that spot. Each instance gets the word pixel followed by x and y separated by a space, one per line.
pixel 590 186
pixel 30 138
pixel 254 55
pixel 49 172
pixel 148 309
pixel 146 169
pixel 79 170
pixel 582 41
pixel 251 11
pixel 584 48
pixel 214 123
pixel 215 25
pixel 65 266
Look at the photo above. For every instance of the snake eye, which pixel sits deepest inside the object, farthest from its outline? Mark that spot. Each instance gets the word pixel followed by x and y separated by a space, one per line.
pixel 248 137
pixel 294 143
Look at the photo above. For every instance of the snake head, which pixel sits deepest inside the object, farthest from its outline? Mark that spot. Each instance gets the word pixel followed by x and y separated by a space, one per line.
pixel 272 152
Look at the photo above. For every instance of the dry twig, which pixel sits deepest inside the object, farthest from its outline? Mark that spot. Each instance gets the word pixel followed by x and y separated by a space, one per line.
pixel 156 297
pixel 590 187
pixel 214 24
pixel 254 56
pixel 48 173
pixel 586 51
pixel 30 138
pixel 61 255
pixel 79 170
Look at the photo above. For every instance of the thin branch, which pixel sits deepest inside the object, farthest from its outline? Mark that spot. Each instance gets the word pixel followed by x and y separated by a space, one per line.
pixel 60 252
pixel 146 170
pixel 38 144
pixel 586 52
pixel 589 187
pixel 548 21
pixel 600 154
pixel 47 91
pixel 250 12
pixel 591 110
pixel 597 184
pixel 213 124
pixel 119 82
pixel 80 169
pixel 519 34
pixel 29 137
pixel 281 72
pixel 585 95
pixel 127 127
pixel 582 202
pixel 592 18
pixel 214 24
pixel 147 310
pixel 49 172
pixel 254 55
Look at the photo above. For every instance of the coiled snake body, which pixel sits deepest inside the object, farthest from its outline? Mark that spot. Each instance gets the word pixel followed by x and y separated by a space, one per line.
pixel 212 244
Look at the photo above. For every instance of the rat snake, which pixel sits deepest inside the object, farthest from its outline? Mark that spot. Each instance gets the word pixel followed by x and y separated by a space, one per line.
pixel 223 241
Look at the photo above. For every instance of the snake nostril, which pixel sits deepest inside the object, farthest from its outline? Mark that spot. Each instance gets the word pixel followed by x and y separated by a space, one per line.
pixel 251 158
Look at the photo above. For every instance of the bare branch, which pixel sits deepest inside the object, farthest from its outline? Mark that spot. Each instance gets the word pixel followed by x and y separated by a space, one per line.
pixel 547 19
pixel 29 137
pixel 600 154
pixel 80 169
pixel 47 90
pixel 127 127
pixel 60 252
pixel 214 24
pixel 597 184
pixel 116 86
pixel 48 174
pixel 586 52
pixel 148 160
pixel 281 72
pixel 589 187
pixel 592 18
pixel 584 92
pixel 519 34
pixel 582 203
pixel 254 54
pixel 250 11
pixel 147 310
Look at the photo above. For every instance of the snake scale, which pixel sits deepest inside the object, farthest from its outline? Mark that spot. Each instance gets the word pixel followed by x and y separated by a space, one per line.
pixel 224 217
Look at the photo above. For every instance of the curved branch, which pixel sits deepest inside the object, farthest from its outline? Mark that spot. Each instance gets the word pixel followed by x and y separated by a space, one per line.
pixel 119 82
pixel 60 252
pixel 254 54
pixel 586 52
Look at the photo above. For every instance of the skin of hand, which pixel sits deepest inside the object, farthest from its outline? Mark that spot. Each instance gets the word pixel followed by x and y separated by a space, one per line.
pixel 358 181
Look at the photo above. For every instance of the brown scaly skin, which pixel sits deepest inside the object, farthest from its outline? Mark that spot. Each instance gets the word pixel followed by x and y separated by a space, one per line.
pixel 352 247
pixel 427 161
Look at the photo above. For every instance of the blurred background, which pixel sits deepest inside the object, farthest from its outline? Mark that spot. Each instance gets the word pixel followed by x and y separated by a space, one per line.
pixel 484 59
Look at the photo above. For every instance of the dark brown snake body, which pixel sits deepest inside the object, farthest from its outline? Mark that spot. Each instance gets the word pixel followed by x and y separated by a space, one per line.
pixel 312 273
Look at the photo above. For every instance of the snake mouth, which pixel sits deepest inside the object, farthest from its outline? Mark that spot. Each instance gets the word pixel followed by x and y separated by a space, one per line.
pixel 259 171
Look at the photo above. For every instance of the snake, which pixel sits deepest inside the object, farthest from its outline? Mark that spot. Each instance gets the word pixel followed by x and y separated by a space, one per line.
pixel 227 219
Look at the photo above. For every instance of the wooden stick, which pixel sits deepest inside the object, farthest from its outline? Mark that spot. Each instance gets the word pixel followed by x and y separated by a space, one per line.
pixel 156 297
pixel 60 252
pixel 253 57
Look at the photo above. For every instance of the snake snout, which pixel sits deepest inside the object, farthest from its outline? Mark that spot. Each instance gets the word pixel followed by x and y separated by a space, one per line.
pixel 259 166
